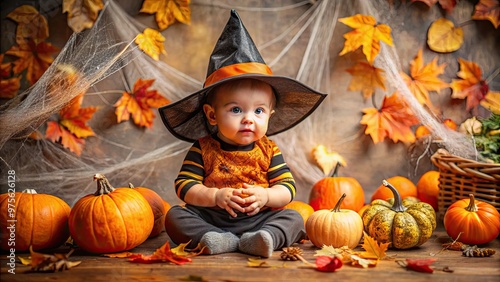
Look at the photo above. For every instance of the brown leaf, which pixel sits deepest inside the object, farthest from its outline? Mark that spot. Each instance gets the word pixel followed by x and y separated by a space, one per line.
pixel 367 78
pixel 82 14
pixel 168 11
pixel 9 87
pixel 36 58
pixel 444 37
pixel 393 120
pixel 487 10
pixel 51 263
pixel 447 5
pixel 374 249
pixel 31 24
pixel 151 42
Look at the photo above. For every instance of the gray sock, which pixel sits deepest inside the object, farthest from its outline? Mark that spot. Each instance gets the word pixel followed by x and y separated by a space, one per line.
pixel 218 243
pixel 259 243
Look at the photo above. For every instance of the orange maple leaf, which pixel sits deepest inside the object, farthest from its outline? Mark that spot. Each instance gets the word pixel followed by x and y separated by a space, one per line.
pixel 151 42
pixel 72 125
pixel 81 14
pixel 471 85
pixel 447 5
pixel 393 120
pixel 366 78
pixel 162 254
pixel 424 78
pixel 488 10
pixel 139 104
pixel 36 58
pixel 492 102
pixel 31 24
pixel 373 249
pixel 366 33
pixel 168 11
pixel 8 86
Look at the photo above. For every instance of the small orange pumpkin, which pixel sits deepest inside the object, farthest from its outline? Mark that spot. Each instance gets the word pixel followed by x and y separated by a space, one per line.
pixel 428 188
pixel 326 191
pixel 405 188
pixel 337 227
pixel 40 220
pixel 304 209
pixel 111 220
pixel 157 205
pixel 476 222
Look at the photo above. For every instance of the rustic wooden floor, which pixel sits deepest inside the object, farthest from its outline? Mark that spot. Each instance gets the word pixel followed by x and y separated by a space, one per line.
pixel 233 267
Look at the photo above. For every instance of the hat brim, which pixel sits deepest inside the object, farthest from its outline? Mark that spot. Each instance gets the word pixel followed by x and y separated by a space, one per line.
pixel 186 120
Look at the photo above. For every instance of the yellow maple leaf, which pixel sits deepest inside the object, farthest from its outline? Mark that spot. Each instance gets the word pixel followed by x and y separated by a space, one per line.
pixel 31 24
pixel 168 11
pixel 151 42
pixel 393 120
pixel 327 160
pixel 366 78
pixel 82 14
pixel 444 37
pixel 488 10
pixel 366 33
pixel 373 249
pixel 492 102
pixel 470 86
pixel 424 78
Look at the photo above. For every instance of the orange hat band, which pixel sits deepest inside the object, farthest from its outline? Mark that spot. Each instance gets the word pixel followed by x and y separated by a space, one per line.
pixel 235 70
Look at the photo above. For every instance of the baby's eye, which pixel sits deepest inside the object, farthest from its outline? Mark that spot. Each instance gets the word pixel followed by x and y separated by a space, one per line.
pixel 236 110
pixel 259 111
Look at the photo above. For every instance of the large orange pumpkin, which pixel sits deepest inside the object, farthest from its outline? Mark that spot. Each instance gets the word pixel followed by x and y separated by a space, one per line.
pixel 38 220
pixel 428 188
pixel 325 193
pixel 405 188
pixel 157 205
pixel 111 220
pixel 471 221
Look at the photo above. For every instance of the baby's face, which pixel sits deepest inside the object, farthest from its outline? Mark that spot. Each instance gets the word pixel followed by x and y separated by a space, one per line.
pixel 241 114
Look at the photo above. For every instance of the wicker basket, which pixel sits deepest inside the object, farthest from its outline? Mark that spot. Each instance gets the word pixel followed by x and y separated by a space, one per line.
pixel 460 177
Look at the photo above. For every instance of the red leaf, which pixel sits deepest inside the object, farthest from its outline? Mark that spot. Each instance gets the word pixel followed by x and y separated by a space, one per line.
pixel 162 254
pixel 328 264
pixel 420 265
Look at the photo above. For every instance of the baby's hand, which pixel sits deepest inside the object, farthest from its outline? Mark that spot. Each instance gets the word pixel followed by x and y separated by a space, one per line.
pixel 256 198
pixel 225 199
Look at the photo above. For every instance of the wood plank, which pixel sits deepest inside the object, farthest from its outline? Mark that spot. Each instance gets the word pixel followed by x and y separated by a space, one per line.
pixel 233 267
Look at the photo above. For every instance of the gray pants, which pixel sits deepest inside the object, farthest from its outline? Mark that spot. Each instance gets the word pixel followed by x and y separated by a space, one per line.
pixel 191 223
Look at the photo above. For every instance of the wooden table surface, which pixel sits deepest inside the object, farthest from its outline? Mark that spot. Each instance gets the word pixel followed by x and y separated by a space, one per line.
pixel 233 267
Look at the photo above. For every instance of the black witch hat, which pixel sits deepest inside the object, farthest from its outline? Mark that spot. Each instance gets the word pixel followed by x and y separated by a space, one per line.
pixel 235 56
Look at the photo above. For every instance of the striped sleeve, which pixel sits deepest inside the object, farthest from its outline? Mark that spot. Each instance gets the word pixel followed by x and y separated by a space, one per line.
pixel 279 172
pixel 191 172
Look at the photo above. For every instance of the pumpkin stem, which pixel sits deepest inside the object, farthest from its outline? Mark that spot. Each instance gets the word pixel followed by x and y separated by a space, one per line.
pixel 472 205
pixel 103 185
pixel 336 170
pixel 398 203
pixel 130 185
pixel 29 191
pixel 339 202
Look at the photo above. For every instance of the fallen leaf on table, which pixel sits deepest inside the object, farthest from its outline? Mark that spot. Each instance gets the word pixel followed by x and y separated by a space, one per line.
pixel 327 263
pixel 444 37
pixel 180 250
pixel 49 263
pixel 81 14
pixel 151 42
pixel 419 265
pixel 492 102
pixel 162 254
pixel 119 255
pixel 168 11
pixel 373 249
pixel 364 263
pixel 488 10
pixel 31 24
pixel 366 78
pixel 470 86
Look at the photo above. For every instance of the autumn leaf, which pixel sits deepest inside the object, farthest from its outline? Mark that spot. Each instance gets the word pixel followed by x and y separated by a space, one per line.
pixel 444 37
pixel 470 86
pixel 162 254
pixel 49 263
pixel 488 10
pixel 492 102
pixel 8 86
pixel 366 78
pixel 364 263
pixel 72 126
pixel 151 42
pixel 36 58
pixel 180 250
pixel 366 33
pixel 168 11
pixel 419 265
pixel 31 24
pixel 424 78
pixel 327 263
pixel 373 249
pixel 393 120
pixel 139 104
pixel 119 255
pixel 82 14
pixel 327 160
pixel 447 5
